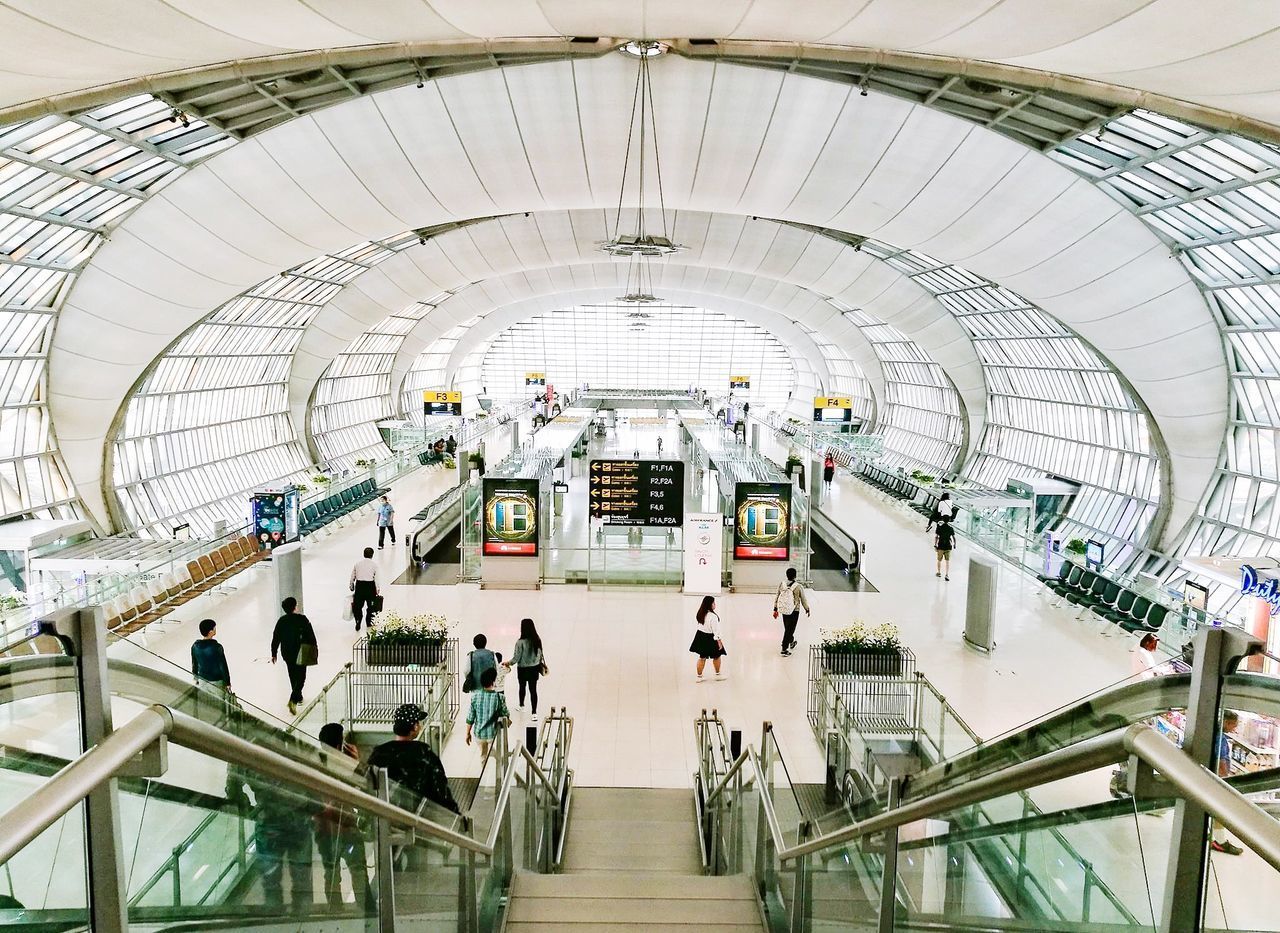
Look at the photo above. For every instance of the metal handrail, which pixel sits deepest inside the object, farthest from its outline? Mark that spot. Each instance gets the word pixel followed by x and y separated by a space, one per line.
pixel 56 797
pixel 1245 819
pixel 724 781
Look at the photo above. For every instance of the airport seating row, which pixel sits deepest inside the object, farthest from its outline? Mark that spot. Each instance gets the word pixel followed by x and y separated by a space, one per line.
pixel 318 514
pixel 1106 598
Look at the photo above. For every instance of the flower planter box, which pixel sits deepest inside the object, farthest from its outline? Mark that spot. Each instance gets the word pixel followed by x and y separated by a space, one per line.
pixel 423 655
pixel 864 663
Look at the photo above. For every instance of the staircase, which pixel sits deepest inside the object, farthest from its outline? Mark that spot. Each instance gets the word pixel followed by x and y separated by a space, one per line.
pixel 631 863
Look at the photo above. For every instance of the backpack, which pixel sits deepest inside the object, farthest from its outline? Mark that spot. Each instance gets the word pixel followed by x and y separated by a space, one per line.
pixel 787 598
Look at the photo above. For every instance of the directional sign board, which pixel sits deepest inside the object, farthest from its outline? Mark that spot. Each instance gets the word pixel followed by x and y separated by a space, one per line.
pixel 637 492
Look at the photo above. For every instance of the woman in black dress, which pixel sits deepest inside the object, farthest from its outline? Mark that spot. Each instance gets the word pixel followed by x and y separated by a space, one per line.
pixel 708 641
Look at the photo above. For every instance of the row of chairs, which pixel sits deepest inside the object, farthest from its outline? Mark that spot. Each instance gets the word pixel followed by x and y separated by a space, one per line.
pixel 318 514
pixel 1106 598
pixel 146 604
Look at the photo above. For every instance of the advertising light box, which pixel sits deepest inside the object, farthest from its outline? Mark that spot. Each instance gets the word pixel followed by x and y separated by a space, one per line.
pixel 510 525
pixel 762 521
pixel 441 403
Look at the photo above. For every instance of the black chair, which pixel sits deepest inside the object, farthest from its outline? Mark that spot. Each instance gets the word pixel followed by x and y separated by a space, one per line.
pixel 1063 569
pixel 1107 600
pixel 1151 623
pixel 1122 608
pixel 1081 593
pixel 1070 581
pixel 1141 606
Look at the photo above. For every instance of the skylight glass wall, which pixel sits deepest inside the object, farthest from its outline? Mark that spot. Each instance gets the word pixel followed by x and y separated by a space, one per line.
pixel 64 181
pixel 652 345
pixel 211 420
pixel 1215 199
pixel 1053 406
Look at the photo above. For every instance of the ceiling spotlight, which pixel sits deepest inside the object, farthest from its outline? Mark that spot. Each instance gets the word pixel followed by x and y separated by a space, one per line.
pixel 422 78
pixel 176 115
pixel 422 239
pixel 644 48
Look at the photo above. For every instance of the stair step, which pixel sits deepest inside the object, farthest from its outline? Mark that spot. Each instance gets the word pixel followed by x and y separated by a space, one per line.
pixel 653 909
pixel 604 855
pixel 635 884
pixel 623 927
pixel 643 804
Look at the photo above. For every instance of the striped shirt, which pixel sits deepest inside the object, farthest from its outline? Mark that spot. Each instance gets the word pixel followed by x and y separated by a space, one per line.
pixel 484 703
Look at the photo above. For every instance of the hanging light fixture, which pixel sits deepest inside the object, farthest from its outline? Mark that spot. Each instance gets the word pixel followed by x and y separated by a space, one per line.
pixel 642 128
pixel 639 282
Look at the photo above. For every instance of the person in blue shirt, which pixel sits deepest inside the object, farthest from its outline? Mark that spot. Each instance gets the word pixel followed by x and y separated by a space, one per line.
pixel 481 659
pixel 386 521
pixel 208 660
pixel 1230 719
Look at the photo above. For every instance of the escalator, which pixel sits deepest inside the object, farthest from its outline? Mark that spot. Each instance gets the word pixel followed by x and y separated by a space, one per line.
pixel 213 842
pixel 1064 856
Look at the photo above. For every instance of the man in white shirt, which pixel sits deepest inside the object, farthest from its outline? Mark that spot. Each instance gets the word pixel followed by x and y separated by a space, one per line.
pixel 364 588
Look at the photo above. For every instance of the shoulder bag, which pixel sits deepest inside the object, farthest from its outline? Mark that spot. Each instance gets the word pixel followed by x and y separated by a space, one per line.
pixel 308 655
pixel 469 681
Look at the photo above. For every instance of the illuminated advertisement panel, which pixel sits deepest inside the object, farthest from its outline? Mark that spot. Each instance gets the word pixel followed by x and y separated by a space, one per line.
pixel 762 521
pixel 510 526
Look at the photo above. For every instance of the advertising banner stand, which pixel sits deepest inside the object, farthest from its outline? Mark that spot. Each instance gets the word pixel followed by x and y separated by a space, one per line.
pixel 761 535
pixel 274 512
pixel 703 553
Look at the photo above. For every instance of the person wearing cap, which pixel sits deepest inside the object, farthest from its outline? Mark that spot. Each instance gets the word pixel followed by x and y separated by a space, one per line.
pixel 411 764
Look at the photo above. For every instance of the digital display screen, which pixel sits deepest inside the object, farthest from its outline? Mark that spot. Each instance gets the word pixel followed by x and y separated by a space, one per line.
pixel 1195 595
pixel 1093 552
pixel 762 521
pixel 510 523
pixel 275 518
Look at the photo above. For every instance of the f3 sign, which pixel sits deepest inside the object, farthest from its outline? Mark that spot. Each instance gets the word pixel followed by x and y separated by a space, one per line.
pixel 1266 590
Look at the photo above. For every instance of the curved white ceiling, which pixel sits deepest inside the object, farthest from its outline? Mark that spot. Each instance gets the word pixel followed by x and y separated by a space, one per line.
pixel 732 256
pixel 734 140
pixel 1219 55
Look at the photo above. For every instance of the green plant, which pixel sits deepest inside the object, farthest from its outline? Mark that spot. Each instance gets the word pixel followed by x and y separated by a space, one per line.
pixel 362 463
pixel 321 480
pixel 301 487
pixel 450 463
pixel 421 629
pixel 1075 546
pixel 10 602
pixel 858 638
pixel 923 478
pixel 474 457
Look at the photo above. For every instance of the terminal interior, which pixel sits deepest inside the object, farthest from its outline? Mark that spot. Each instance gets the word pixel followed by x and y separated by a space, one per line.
pixel 589 314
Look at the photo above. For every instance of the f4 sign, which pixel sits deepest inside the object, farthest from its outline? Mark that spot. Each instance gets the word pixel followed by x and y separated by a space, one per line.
pixel 1266 590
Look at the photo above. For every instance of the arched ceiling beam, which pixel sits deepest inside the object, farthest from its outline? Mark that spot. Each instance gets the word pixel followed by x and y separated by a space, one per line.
pixel 769 252
pixel 236 53
pixel 818 154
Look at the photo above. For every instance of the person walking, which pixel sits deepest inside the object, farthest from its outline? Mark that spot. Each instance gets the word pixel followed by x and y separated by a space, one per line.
pixel 338 836
pixel 479 659
pixel 944 539
pixel 386 521
pixel 944 511
pixel 208 659
pixel 788 602
pixel 828 469
pixel 450 446
pixel 293 630
pixel 708 641
pixel 1221 842
pixel 364 588
pixel 413 767
pixel 488 711
pixel 529 663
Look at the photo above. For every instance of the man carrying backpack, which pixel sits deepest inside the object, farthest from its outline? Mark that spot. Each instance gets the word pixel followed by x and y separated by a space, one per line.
pixel 788 603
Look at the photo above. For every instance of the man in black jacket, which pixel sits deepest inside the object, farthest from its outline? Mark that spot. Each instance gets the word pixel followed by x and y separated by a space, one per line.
pixel 293 630
pixel 413 767
pixel 208 660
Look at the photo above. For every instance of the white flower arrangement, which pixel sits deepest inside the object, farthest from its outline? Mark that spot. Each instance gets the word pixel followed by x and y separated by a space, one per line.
pixel 859 637
pixel 419 629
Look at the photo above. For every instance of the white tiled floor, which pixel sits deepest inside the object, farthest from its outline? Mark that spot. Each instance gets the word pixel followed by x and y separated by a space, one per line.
pixel 620 663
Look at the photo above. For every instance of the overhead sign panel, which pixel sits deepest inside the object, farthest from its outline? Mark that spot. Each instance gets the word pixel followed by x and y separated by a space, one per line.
pixel 832 408
pixel 739 382
pixel 535 379
pixel 637 492
pixel 762 521
pixel 442 403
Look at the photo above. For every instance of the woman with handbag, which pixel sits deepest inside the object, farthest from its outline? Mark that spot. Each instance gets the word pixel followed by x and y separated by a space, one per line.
pixel 529 663
pixel 708 641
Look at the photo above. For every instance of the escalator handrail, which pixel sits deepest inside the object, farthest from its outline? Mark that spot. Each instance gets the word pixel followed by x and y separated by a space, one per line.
pixel 1238 814
pixel 1102 712
pixel 58 796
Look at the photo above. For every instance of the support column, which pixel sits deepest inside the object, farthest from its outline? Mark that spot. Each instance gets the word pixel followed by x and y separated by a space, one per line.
pixel 1218 653
pixel 86 631
pixel 286 567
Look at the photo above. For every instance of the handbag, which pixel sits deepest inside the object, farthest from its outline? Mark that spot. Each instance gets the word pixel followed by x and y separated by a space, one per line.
pixel 469 682
pixel 308 655
pixel 543 670
pixel 376 604
pixel 348 612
